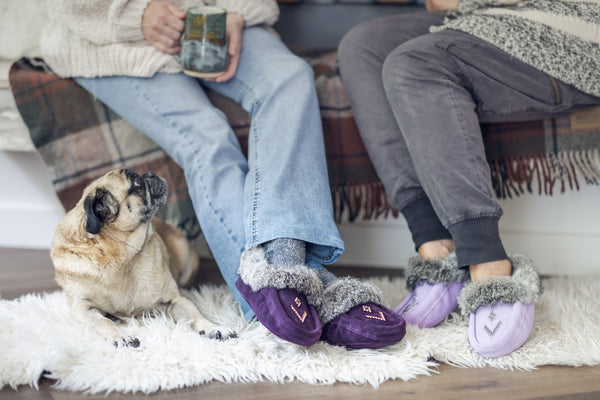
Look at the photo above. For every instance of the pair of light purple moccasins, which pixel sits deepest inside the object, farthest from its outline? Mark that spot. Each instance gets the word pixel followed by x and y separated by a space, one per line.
pixel 500 310
pixel 294 305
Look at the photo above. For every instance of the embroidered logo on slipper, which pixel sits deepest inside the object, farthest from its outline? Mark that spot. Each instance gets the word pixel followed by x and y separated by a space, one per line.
pixel 492 316
pixel 492 332
pixel 302 317
pixel 367 309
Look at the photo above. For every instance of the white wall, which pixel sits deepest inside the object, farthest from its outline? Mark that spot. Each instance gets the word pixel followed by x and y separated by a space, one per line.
pixel 29 208
pixel 561 233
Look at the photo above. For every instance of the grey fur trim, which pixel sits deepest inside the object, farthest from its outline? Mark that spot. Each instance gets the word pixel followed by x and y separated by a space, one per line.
pixel 523 285
pixel 257 273
pixel 435 270
pixel 343 294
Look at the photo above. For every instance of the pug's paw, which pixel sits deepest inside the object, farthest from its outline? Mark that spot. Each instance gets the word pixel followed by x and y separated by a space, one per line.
pixel 127 341
pixel 220 334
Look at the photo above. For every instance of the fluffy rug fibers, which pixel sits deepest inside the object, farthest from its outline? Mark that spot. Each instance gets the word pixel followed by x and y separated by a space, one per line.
pixel 38 336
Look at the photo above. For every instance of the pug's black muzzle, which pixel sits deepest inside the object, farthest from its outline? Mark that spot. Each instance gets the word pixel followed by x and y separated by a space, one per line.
pixel 157 191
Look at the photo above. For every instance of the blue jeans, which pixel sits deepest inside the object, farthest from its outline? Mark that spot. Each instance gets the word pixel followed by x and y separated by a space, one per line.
pixel 281 190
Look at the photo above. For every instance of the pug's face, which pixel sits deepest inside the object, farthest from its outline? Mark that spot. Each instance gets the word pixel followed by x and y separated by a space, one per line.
pixel 123 200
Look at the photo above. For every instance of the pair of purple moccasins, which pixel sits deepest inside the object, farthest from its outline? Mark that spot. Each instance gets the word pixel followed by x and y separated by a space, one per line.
pixel 500 309
pixel 294 305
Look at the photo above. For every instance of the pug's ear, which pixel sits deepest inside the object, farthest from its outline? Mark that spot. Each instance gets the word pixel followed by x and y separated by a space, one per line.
pixel 99 207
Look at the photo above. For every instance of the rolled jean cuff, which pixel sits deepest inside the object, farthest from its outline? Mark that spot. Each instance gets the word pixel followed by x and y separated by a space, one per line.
pixel 477 241
pixel 423 222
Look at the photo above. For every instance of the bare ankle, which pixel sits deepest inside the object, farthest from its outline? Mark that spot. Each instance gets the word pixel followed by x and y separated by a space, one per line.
pixel 493 268
pixel 436 249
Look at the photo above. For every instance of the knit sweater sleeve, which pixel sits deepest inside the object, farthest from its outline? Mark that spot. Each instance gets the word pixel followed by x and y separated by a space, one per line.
pixel 125 16
pixel 100 22
pixel 465 6
pixel 254 11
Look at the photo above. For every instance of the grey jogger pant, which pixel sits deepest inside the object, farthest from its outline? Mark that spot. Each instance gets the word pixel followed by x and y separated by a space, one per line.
pixel 418 99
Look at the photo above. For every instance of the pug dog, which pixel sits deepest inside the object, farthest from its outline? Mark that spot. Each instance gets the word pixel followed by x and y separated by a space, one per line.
pixel 113 258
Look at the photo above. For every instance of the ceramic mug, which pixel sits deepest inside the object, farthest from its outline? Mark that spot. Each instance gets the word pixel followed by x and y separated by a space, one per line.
pixel 204 48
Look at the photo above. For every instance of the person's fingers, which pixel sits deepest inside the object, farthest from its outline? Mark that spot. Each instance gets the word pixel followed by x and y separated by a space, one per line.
pixel 234 47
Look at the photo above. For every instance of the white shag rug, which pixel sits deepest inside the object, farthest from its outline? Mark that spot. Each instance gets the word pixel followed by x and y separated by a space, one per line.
pixel 38 335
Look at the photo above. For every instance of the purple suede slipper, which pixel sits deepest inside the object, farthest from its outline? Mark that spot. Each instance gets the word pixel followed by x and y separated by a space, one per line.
pixel 284 312
pixel 428 305
pixel 283 299
pixel 501 309
pixel 352 316
pixel 366 326
pixel 435 285
pixel 499 330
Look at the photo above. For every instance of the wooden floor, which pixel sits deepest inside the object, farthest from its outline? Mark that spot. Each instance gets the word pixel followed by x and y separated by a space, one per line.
pixel 25 271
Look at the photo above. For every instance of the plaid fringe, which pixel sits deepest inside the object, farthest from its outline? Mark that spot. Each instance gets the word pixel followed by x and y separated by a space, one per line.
pixel 365 200
pixel 513 175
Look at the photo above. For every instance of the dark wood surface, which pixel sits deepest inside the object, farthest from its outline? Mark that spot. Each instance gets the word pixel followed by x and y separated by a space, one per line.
pixel 26 271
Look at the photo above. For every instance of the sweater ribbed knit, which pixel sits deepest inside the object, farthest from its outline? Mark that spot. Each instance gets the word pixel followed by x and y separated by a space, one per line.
pixel 89 38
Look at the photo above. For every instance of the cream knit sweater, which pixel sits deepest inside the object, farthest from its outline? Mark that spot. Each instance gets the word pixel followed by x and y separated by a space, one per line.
pixel 89 38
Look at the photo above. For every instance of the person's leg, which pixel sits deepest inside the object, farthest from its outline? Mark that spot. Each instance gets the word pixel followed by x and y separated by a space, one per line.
pixel 286 192
pixel 361 54
pixel 432 278
pixel 288 199
pixel 440 86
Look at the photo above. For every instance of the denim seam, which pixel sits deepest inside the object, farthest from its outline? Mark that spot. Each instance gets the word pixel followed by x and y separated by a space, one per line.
pixel 200 176
pixel 256 104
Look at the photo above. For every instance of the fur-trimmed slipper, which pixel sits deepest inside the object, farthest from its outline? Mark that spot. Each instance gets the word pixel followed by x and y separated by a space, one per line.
pixel 352 316
pixel 283 299
pixel 435 285
pixel 501 309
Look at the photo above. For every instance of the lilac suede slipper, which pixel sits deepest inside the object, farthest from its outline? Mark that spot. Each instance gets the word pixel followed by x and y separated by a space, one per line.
pixel 283 299
pixel 501 309
pixel 352 316
pixel 435 285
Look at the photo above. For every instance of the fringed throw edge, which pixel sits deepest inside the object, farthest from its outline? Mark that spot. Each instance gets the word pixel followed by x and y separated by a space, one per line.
pixel 513 175
pixel 365 200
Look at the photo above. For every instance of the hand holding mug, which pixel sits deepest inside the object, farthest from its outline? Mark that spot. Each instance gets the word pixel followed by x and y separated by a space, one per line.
pixel 162 26
pixel 235 26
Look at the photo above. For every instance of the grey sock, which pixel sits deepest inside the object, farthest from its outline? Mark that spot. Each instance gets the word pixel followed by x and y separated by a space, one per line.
pixel 285 252
pixel 325 276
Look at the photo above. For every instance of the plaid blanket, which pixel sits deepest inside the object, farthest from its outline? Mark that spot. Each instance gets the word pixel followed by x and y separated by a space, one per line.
pixel 80 138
